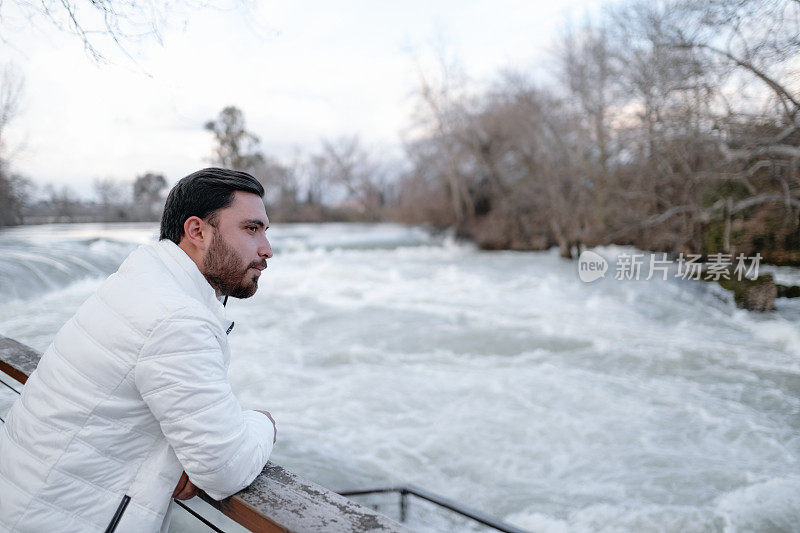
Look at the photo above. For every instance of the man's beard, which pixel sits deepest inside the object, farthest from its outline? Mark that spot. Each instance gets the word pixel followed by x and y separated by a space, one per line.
pixel 224 270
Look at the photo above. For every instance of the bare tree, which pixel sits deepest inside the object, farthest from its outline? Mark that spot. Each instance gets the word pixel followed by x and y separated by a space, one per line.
pixel 13 188
pixel 12 84
pixel 63 202
pixel 752 38
pixel 102 24
pixel 346 164
pixel 590 69
pixel 113 197
pixel 280 184
pixel 236 148
pixel 441 111
pixel 674 126
pixel 148 198
pixel 711 148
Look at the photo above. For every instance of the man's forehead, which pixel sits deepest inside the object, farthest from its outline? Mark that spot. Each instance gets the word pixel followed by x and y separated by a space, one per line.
pixel 245 207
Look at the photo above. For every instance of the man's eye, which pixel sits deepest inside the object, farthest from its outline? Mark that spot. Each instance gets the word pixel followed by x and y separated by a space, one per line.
pixel 252 229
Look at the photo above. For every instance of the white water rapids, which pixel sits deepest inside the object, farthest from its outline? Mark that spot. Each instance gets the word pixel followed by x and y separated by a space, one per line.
pixel 496 379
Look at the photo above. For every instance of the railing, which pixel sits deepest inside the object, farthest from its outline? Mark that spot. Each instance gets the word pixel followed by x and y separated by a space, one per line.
pixel 406 490
pixel 277 500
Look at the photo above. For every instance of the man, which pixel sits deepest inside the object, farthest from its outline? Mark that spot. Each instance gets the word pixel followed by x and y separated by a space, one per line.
pixel 130 404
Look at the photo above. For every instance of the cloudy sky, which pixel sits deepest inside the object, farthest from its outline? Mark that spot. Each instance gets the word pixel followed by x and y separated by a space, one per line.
pixel 300 71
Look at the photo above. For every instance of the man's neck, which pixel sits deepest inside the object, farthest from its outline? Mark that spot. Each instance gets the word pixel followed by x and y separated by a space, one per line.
pixel 193 253
pixel 196 256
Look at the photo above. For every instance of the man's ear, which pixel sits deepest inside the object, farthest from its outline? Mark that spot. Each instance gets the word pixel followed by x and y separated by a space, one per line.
pixel 197 232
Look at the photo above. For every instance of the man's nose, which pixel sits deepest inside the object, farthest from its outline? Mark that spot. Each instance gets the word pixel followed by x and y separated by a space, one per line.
pixel 265 250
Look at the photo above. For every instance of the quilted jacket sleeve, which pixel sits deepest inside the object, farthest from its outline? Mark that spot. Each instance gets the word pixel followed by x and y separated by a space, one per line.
pixel 182 377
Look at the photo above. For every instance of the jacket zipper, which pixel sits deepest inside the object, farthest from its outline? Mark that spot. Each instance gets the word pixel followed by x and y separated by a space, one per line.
pixel 118 515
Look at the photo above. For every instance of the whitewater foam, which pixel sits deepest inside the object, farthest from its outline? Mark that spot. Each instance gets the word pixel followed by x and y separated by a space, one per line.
pixel 497 379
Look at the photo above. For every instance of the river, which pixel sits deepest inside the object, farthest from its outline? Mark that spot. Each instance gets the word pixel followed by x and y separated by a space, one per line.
pixel 497 379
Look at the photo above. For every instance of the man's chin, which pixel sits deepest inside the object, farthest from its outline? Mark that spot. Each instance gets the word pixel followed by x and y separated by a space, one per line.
pixel 245 291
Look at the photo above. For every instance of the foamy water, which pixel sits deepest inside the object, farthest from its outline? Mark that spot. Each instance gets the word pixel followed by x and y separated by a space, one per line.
pixel 496 379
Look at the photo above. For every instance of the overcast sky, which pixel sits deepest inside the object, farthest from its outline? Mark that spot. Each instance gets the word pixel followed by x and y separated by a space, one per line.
pixel 300 71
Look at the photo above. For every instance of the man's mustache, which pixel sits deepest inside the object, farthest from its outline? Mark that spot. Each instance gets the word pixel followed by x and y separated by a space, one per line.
pixel 258 264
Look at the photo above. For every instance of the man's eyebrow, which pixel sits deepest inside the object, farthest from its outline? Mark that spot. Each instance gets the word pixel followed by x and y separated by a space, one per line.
pixel 255 222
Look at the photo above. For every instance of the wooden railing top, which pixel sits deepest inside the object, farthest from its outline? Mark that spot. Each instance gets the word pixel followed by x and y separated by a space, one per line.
pixel 17 360
pixel 277 500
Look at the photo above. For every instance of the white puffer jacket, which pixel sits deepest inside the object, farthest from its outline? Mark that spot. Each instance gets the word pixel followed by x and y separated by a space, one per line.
pixel 132 391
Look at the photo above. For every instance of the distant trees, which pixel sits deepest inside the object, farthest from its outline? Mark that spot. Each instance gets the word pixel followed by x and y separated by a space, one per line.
pixel 672 126
pixel 340 180
pixel 239 149
pixel 14 189
pixel 113 201
pixel 14 195
pixel 63 204
pixel 114 198
pixel 344 164
pixel 721 124
pixel 148 198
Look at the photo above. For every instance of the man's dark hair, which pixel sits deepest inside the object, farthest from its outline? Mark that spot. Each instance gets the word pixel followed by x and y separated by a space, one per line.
pixel 202 194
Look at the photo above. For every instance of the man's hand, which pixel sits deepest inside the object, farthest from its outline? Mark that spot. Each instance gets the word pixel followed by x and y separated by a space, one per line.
pixel 185 489
pixel 274 427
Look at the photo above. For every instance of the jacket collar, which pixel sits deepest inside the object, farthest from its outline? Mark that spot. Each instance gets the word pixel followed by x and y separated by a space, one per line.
pixel 190 278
